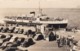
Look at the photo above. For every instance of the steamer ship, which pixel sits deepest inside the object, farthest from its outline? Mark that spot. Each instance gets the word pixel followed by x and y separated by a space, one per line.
pixel 41 22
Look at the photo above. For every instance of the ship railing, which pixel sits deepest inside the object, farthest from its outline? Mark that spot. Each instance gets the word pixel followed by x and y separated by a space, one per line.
pixel 19 19
pixel 46 19
pixel 12 17
pixel 29 18
pixel 55 22
pixel 51 19
pixel 8 18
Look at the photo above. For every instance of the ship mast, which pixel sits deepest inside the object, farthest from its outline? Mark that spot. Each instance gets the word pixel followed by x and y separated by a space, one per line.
pixel 40 10
pixel 39 5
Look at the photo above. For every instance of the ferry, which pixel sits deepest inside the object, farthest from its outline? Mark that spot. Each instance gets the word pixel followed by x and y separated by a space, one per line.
pixel 41 22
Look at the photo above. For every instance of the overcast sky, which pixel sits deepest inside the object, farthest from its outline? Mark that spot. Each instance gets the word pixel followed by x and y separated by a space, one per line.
pixel 43 3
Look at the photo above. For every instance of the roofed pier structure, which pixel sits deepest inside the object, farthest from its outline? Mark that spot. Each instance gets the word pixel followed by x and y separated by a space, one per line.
pixel 41 28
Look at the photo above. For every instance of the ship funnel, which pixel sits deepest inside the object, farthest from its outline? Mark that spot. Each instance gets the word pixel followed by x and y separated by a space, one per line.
pixel 32 14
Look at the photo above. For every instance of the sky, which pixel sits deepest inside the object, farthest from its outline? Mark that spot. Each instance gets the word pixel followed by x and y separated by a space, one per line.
pixel 43 3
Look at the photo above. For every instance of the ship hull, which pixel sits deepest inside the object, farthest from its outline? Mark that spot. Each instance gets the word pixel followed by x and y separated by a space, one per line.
pixel 54 25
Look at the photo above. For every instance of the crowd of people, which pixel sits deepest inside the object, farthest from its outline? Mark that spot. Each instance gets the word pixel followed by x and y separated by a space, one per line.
pixel 10 42
pixel 65 41
pixel 68 42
